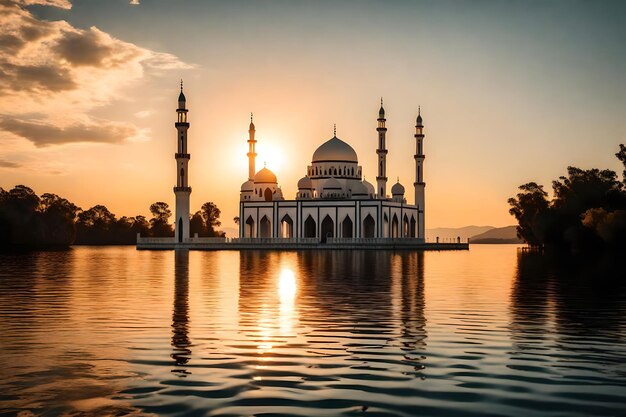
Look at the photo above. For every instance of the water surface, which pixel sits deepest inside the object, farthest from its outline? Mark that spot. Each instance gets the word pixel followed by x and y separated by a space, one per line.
pixel 486 332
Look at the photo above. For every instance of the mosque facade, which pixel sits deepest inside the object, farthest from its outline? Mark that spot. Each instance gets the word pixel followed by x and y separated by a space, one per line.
pixel 333 200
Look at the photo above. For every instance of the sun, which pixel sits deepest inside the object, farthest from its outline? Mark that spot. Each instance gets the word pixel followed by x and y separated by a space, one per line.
pixel 270 155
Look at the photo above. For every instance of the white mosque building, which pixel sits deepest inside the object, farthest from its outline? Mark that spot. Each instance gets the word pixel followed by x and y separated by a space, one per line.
pixel 334 208
pixel 333 199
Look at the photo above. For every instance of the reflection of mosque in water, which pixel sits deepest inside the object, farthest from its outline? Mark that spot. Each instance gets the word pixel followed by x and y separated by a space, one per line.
pixel 181 343
pixel 343 297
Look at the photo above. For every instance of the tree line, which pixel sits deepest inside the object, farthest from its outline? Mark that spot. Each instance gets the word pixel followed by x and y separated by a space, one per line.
pixel 29 220
pixel 587 211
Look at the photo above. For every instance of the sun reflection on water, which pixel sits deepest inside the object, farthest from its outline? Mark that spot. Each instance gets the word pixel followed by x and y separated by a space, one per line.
pixel 287 289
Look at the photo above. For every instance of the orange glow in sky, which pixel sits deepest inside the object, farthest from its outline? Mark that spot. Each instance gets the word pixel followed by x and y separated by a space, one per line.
pixel 509 94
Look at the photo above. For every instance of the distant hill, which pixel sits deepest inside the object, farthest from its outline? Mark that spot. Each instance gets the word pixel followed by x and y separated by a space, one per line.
pixel 506 234
pixel 453 233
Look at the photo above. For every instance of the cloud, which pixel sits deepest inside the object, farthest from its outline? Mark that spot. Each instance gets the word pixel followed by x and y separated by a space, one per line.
pixel 63 4
pixel 9 164
pixel 45 134
pixel 134 2
pixel 62 73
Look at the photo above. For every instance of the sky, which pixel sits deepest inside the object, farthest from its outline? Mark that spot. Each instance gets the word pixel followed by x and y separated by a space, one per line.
pixel 510 92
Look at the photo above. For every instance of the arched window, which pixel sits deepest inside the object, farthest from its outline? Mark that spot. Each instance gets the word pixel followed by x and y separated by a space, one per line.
pixel 346 227
pixel 249 227
pixel 328 228
pixel 369 226
pixel 286 226
pixel 268 194
pixel 182 173
pixel 309 227
pixel 266 227
pixel 353 171
pixel 335 171
pixel 394 226
pixel 412 227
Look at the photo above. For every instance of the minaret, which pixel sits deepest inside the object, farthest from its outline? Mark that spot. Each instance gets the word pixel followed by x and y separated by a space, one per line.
pixel 381 179
pixel 251 150
pixel 419 184
pixel 182 189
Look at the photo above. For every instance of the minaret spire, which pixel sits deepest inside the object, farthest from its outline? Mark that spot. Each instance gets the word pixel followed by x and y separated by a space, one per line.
pixel 381 151
pixel 419 183
pixel 335 130
pixel 182 190
pixel 251 149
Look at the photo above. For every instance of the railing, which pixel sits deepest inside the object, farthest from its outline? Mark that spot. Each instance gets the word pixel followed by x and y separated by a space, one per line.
pixel 274 240
pixel 182 189
pixel 207 240
pixel 155 239
pixel 374 240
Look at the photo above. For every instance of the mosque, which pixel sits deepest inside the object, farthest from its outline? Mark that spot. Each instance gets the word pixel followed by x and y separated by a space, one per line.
pixel 333 202
pixel 333 199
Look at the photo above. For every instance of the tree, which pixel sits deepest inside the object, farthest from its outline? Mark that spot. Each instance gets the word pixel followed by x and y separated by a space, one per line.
pixel 95 226
pixel 196 225
pixel 211 215
pixel 159 222
pixel 58 216
pixel 527 207
pixel 19 220
pixel 621 155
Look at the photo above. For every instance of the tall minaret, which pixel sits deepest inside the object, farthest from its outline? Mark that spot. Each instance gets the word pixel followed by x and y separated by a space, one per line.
pixel 381 179
pixel 182 189
pixel 251 150
pixel 419 184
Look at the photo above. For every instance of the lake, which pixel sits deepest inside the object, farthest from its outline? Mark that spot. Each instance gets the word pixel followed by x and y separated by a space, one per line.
pixel 493 331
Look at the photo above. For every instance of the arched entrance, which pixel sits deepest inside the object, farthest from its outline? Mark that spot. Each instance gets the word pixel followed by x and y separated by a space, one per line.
pixel 412 226
pixel 385 225
pixel 249 227
pixel 369 226
pixel 266 227
pixel 328 228
pixel 286 226
pixel 346 227
pixel 394 226
pixel 267 194
pixel 180 230
pixel 310 227
pixel 405 226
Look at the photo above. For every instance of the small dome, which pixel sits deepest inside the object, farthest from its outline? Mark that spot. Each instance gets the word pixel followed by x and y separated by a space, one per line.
pixel 369 187
pixel 335 150
pixel 247 186
pixel 358 188
pixel 305 183
pixel 397 189
pixel 332 184
pixel 265 176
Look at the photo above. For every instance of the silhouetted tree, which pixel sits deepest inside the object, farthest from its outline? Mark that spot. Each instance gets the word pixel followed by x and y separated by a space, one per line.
pixel 94 226
pixel 159 223
pixel 621 155
pixel 588 210
pixel 529 205
pixel 196 225
pixel 211 215
pixel 58 216
pixel 19 218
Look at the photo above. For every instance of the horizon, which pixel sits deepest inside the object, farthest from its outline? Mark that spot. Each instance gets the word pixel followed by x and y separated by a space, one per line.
pixel 502 105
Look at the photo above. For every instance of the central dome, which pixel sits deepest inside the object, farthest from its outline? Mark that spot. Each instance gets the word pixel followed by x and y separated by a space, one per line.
pixel 335 150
